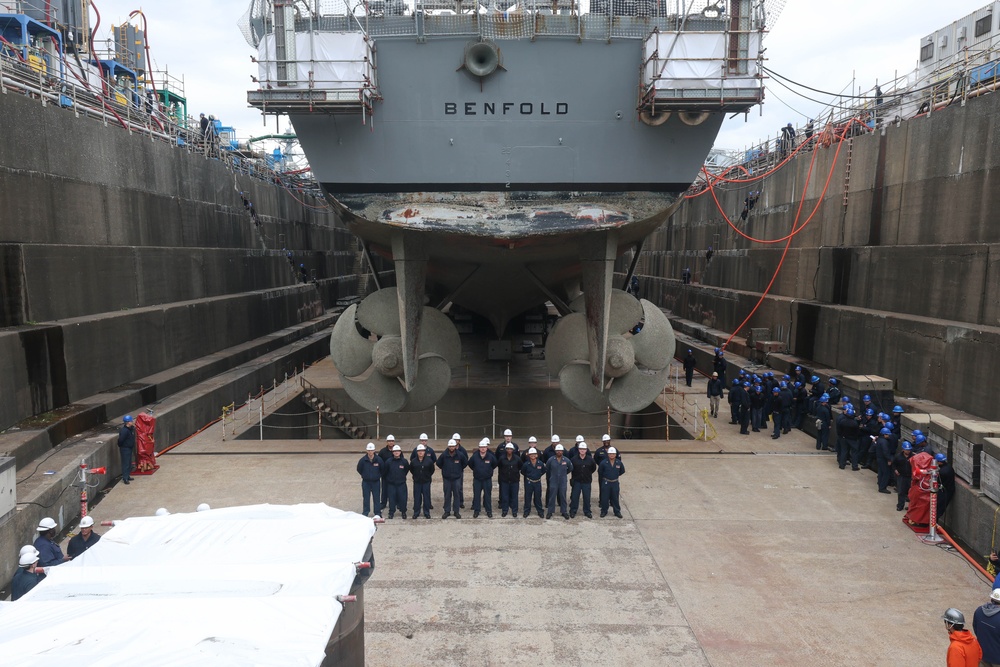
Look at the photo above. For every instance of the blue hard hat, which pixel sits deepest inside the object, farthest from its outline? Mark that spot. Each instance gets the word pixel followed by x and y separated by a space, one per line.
pixel 870 412
pixel 689 351
pixel 845 399
pixel 746 385
pixel 716 350
pixel 825 398
pixel 798 384
pixel 884 417
pixel 907 446
pixel 127 418
pixel 783 384
pixel 886 431
pixel 786 377
pixel 798 368
pixel 814 379
pixel 939 457
pixel 849 410
pixel 866 398
pixel 889 425
pixel 920 439
pixel 758 388
pixel 775 390
pixel 736 382
pixel 917 432
pixel 897 409
pixel 833 380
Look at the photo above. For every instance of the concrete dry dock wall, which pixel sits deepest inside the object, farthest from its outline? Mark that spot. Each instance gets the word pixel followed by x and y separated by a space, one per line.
pixel 51 365
pixel 177 417
pixel 896 274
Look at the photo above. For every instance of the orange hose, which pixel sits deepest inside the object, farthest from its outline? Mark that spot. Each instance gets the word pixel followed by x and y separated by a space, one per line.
pixel 941 531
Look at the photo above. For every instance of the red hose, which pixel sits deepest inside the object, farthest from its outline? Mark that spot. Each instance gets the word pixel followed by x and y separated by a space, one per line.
pixel 941 531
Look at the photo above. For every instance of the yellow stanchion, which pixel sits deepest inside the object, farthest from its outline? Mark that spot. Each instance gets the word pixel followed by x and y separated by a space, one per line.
pixel 706 427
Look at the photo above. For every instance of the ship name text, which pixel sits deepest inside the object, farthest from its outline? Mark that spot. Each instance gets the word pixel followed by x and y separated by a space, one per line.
pixel 506 109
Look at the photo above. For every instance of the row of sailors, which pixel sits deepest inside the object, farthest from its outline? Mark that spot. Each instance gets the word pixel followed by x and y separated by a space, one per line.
pixel 383 477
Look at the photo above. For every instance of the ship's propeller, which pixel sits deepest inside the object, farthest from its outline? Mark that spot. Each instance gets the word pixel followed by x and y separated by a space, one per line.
pixel 635 363
pixel 367 349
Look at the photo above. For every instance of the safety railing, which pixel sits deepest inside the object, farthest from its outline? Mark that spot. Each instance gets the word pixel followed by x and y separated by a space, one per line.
pixel 88 100
pixel 490 19
pixel 974 72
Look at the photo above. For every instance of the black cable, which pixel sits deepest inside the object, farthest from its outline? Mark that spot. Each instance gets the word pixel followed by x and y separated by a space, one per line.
pixel 53 453
pixel 908 91
pixel 45 507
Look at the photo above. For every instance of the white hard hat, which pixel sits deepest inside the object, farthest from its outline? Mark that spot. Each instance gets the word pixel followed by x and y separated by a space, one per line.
pixel 456 436
pixel 204 507
pixel 555 438
pixel 612 450
pixel 86 522
pixel 452 443
pixel 605 438
pixel 421 448
pixel 397 448
pixel 27 559
pixel 510 445
pixel 507 431
pixel 28 549
pixel 423 436
pixel 559 448
pixel 46 524
pixel 532 450
pixel 485 442
pixel 162 512
pixel 995 595
pixel 583 445
pixel 370 447
pixel 390 438
pixel 579 438
pixel 532 439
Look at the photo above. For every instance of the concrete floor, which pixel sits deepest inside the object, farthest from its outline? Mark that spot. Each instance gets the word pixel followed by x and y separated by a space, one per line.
pixel 742 551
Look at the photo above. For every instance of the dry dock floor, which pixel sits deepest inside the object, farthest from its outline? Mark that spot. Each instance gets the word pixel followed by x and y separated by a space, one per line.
pixel 741 551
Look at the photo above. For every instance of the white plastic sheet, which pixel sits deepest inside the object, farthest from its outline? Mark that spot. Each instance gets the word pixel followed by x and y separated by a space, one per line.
pixel 335 60
pixel 695 60
pixel 250 585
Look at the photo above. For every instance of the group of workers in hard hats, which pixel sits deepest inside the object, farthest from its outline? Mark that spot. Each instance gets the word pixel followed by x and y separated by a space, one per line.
pixel 33 559
pixel 567 474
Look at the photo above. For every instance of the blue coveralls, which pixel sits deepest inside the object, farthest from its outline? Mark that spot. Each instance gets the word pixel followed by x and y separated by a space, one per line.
pixel 610 472
pixel 421 473
pixel 23 582
pixel 533 473
pixel 49 553
pixel 559 469
pixel 825 417
pixel 482 466
pixel 509 476
pixel 600 455
pixel 452 465
pixel 395 479
pixel 126 447
pixel 371 471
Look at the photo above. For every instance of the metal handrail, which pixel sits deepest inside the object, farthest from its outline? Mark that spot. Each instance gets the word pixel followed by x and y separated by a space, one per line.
pixel 331 403
pixel 48 89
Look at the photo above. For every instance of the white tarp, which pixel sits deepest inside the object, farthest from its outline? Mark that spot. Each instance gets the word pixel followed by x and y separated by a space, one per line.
pixel 695 60
pixel 252 585
pixel 337 61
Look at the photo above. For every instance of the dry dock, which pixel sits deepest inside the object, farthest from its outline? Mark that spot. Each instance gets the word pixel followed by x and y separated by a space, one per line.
pixel 742 551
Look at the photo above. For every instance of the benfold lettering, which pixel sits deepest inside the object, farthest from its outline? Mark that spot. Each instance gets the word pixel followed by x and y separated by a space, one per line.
pixel 506 108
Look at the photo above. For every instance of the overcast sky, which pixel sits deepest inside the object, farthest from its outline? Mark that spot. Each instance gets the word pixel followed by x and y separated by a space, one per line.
pixel 822 44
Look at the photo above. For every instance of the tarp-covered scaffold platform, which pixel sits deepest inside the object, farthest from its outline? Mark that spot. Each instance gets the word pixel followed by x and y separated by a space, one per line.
pixel 253 585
